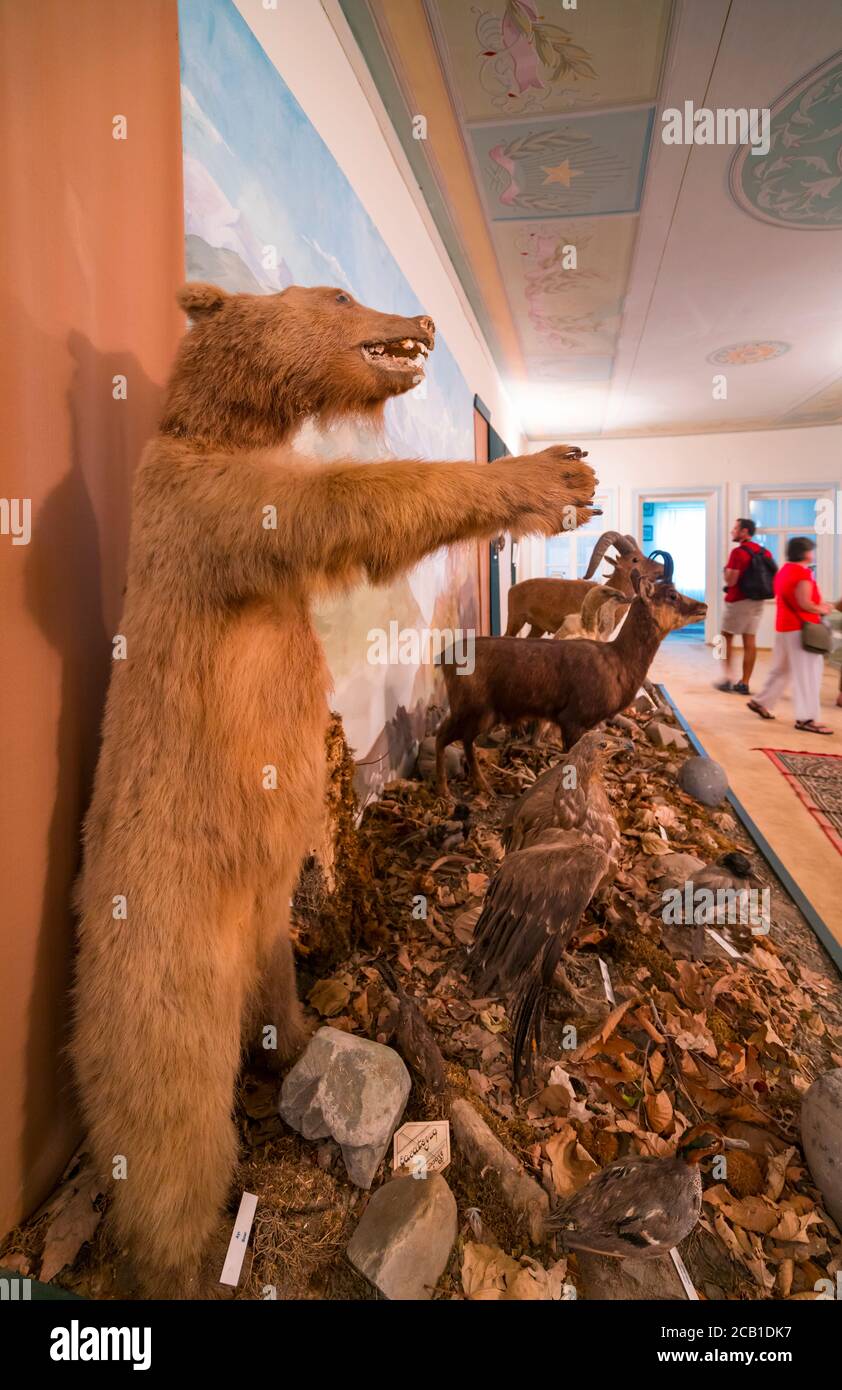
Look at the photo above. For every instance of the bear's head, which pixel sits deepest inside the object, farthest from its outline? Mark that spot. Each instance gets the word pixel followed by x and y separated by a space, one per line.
pixel 253 367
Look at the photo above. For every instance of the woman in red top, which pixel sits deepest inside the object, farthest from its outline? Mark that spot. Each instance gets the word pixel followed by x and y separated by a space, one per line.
pixel 798 601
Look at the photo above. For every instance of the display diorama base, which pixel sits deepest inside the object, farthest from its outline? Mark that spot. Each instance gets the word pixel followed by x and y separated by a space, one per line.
pixel 697 1033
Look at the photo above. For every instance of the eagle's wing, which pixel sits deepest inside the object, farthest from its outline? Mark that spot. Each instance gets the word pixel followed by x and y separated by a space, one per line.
pixel 532 907
pixel 544 806
pixel 532 813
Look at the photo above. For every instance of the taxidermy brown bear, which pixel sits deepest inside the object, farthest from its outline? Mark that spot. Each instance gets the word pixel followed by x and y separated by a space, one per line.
pixel 209 787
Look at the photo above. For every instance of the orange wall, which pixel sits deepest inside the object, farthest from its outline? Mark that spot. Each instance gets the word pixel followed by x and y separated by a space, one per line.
pixel 91 242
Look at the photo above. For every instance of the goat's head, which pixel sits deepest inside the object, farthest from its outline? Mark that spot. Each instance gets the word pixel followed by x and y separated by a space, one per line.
pixel 668 606
pixel 628 561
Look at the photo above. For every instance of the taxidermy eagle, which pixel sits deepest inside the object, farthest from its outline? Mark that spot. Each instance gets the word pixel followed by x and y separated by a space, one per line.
pixel 563 844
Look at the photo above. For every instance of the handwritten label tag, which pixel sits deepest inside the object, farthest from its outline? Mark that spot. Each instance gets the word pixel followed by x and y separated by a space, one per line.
pixel 606 980
pixel 726 945
pixel 422 1147
pixel 681 1271
pixel 239 1240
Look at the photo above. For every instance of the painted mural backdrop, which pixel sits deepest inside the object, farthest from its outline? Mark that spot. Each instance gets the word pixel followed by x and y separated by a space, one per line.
pixel 266 206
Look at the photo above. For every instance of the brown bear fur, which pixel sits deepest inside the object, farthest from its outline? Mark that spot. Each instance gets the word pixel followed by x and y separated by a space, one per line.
pixel 224 676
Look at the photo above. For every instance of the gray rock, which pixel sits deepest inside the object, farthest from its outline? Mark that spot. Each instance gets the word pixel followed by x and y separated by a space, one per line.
pixel 485 1153
pixel 403 1242
pixel 675 869
pixel 351 1090
pixel 665 736
pixel 607 1279
pixel 620 721
pixel 642 703
pixel 704 780
pixel 425 767
pixel 821 1135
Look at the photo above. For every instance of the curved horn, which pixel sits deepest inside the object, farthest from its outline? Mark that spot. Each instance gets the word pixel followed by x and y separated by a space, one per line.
pixel 607 539
pixel 593 601
pixel 667 561
pixel 634 542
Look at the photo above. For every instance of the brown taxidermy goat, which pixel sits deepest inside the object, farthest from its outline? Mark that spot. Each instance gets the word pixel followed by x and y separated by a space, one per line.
pixel 210 781
pixel 574 684
pixel 545 603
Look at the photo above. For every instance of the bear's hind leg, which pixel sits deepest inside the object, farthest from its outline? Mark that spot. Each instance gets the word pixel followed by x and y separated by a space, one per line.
pixel 274 1019
pixel 157 1051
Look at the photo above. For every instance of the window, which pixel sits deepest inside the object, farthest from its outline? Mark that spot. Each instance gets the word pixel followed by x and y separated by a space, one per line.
pixel 567 556
pixel 780 516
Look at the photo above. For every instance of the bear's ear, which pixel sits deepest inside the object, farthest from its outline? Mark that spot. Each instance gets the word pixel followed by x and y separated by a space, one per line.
pixel 201 301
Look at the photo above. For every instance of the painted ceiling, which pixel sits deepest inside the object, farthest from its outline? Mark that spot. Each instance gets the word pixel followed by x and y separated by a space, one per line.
pixel 693 265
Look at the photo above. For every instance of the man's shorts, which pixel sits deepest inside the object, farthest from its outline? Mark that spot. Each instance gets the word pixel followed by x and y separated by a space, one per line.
pixel 743 616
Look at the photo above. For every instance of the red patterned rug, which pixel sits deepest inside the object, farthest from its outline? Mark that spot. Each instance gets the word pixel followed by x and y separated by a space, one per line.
pixel 817 779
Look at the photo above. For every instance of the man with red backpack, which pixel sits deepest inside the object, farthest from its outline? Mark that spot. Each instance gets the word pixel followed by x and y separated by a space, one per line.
pixel 749 582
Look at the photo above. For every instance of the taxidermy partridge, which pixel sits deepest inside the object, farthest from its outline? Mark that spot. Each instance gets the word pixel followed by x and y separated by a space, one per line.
pixel 638 1208
pixel 730 872
pixel 563 844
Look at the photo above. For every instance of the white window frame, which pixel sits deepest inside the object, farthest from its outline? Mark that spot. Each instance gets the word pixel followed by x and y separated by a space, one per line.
pixel 606 499
pixel 793 492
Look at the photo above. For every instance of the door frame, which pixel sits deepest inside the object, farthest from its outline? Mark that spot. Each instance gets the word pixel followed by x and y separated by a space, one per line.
pixel 481 427
pixel 497 449
pixel 712 494
pixel 488 446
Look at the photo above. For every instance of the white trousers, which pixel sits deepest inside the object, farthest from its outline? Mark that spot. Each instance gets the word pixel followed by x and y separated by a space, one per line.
pixel 791 662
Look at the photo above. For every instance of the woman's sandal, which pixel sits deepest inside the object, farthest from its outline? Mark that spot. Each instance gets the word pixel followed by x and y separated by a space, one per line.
pixel 759 709
pixel 808 726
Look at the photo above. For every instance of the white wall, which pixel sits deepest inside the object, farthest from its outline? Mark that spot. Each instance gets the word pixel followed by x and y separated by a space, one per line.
pixel 303 45
pixel 728 463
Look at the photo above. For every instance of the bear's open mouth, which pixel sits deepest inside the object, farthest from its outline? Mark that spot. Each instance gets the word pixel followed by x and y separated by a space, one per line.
pixel 398 355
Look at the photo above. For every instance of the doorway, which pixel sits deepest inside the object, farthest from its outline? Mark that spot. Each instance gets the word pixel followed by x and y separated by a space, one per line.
pixel 685 522
pixel 497 449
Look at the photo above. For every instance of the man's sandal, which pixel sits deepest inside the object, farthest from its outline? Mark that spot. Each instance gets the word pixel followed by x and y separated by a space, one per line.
pixel 809 726
pixel 759 709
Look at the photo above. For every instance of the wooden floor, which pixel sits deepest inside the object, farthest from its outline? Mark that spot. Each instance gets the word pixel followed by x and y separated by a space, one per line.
pixel 732 735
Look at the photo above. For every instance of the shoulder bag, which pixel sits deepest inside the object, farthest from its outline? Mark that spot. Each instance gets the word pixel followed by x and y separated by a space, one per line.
pixel 815 637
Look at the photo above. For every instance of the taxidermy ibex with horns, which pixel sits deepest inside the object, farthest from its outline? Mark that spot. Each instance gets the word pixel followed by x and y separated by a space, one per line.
pixel 545 603
pixel 574 684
